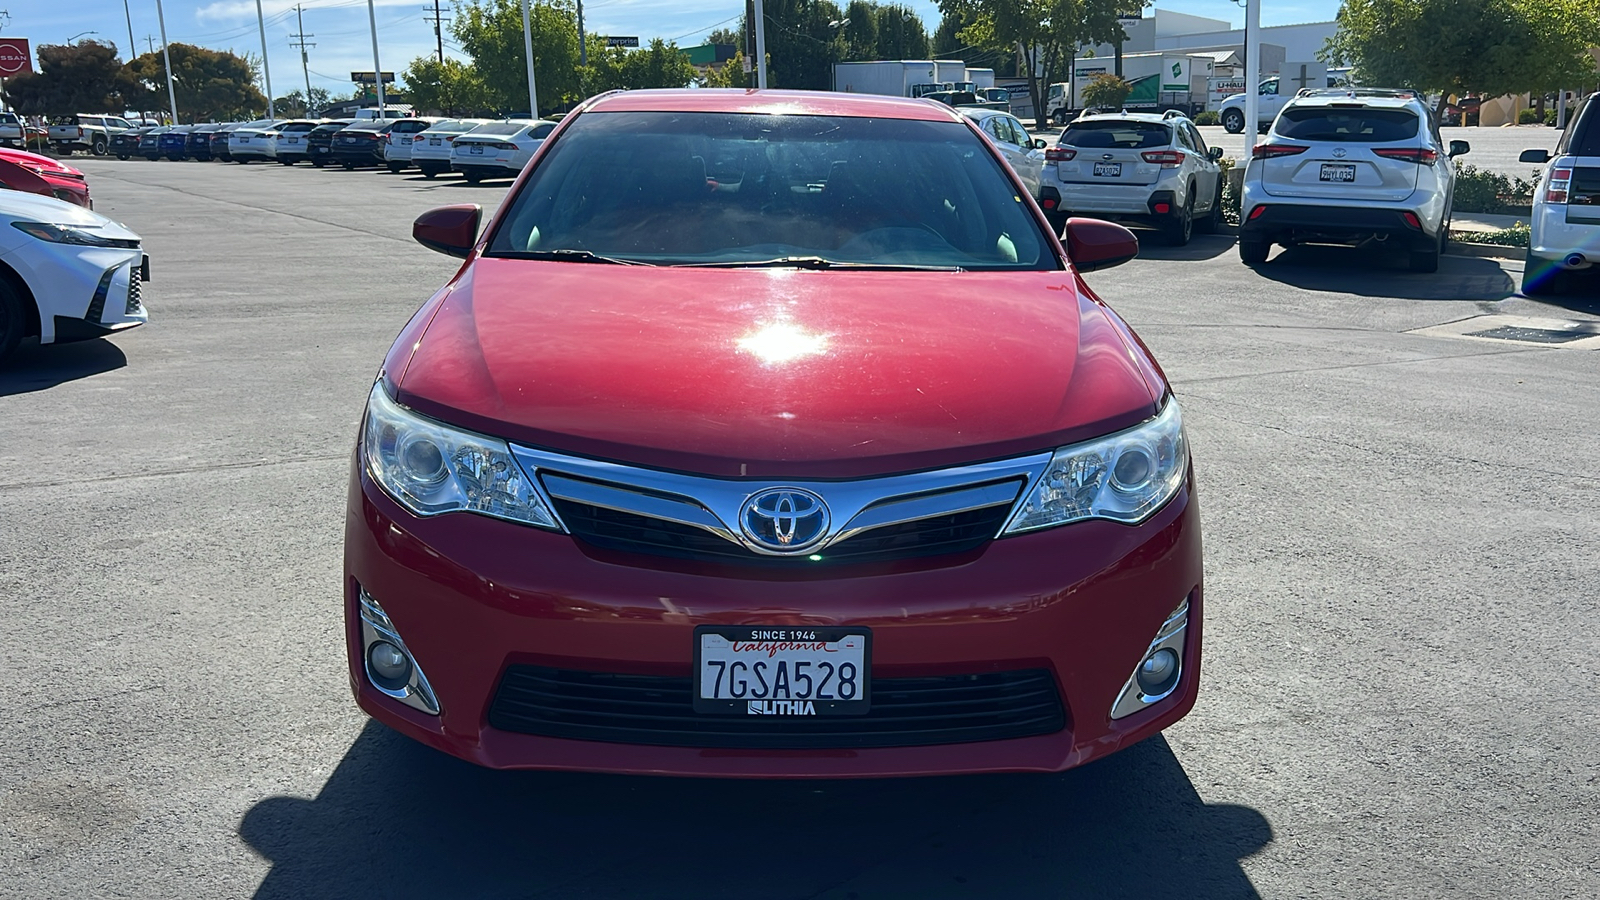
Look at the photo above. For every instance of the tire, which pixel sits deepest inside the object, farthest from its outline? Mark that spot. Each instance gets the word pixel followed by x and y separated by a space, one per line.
pixel 1212 223
pixel 13 319
pixel 1542 277
pixel 349 167
pixel 175 157
pixel 285 162
pixel 152 158
pixel 241 161
pixel 429 172
pixel 123 156
pixel 473 177
pixel 1427 261
pixel 1233 121
pixel 1179 230
pixel 396 168
pixel 99 147
pixel 1253 253
pixel 1059 117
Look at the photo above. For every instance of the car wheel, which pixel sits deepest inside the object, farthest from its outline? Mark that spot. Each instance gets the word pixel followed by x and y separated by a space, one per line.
pixel 473 177
pixel 174 157
pixel 1427 261
pixel 99 147
pixel 1542 277
pixel 1233 121
pixel 122 156
pixel 396 168
pixel 349 167
pixel 1178 230
pixel 13 319
pixel 285 162
pixel 317 163
pixel 1212 223
pixel 1253 253
pixel 1059 117
pixel 429 172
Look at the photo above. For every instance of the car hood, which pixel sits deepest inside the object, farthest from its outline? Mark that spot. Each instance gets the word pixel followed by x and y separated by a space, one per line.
pixel 16 206
pixel 765 372
pixel 44 165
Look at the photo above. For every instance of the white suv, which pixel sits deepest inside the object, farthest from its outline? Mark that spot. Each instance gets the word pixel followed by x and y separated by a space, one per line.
pixel 1350 167
pixel 1136 167
pixel 1565 235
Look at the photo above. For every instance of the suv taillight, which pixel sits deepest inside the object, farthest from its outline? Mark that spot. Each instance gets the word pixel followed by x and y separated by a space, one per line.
pixel 1560 181
pixel 1273 151
pixel 1169 159
pixel 1419 155
pixel 1059 154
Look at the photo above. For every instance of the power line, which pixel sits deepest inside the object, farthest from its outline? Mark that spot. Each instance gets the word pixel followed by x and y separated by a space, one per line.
pixel 299 40
pixel 438 20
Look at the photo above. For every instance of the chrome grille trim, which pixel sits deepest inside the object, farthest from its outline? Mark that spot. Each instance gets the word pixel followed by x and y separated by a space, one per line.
pixel 714 504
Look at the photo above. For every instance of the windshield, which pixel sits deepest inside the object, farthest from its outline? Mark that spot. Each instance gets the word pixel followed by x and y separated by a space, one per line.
pixel 1365 126
pixel 1116 135
pixel 732 189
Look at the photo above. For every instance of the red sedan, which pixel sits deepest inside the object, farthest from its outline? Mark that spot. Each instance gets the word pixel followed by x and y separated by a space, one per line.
pixel 771 434
pixel 65 182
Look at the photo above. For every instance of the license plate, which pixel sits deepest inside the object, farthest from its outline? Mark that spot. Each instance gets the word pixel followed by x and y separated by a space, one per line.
pixel 475 150
pixel 759 670
pixel 433 142
pixel 1108 170
pixel 1337 172
pixel 294 140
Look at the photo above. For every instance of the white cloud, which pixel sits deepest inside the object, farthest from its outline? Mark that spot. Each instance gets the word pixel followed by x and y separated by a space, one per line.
pixel 235 10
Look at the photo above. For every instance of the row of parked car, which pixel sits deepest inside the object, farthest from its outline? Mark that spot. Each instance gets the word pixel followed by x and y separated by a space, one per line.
pixel 476 148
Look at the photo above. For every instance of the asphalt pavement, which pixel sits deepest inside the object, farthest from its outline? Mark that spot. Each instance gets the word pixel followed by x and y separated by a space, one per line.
pixel 1402 538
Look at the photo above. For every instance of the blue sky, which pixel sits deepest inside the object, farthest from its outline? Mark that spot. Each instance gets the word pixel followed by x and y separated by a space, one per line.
pixel 343 42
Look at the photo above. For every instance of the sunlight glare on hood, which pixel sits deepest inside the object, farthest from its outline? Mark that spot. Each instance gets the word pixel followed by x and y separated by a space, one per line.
pixel 780 342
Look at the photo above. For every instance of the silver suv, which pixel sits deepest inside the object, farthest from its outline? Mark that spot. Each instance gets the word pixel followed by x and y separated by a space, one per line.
pixel 1350 167
pixel 1565 235
pixel 1136 167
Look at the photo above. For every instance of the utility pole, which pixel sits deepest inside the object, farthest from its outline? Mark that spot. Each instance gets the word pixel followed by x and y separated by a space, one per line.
pixel 437 21
pixel 583 47
pixel 166 57
pixel 527 43
pixel 1252 72
pixel 761 45
pixel 305 64
pixel 266 70
pixel 150 41
pixel 133 45
pixel 377 68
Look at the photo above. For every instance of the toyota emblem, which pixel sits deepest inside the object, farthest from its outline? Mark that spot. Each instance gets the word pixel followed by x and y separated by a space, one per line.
pixel 1339 152
pixel 784 520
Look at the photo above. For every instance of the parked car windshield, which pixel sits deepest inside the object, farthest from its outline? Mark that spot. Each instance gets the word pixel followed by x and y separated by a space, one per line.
pixel 739 189
pixel 1116 135
pixel 1364 126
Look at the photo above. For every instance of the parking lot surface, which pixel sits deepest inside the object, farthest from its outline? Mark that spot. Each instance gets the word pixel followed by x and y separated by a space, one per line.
pixel 1399 687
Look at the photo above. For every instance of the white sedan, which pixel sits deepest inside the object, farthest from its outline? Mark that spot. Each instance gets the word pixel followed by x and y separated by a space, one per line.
pixel 254 140
pixel 1023 151
pixel 80 272
pixel 498 149
pixel 430 150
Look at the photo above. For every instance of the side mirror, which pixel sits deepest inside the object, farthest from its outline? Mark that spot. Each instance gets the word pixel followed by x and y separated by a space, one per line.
pixel 1215 153
pixel 1040 143
pixel 1532 156
pixel 1095 244
pixel 1459 148
pixel 451 230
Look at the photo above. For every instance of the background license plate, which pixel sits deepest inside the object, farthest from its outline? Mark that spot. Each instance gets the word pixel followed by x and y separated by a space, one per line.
pixel 1336 172
pixel 1108 170
pixel 433 142
pixel 786 670
pixel 475 151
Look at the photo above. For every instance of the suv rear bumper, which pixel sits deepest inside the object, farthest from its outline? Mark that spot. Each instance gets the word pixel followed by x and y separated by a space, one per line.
pixel 1282 223
pixel 1156 208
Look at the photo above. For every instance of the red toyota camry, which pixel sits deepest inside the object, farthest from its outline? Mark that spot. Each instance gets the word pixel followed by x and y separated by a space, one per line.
pixel 771 434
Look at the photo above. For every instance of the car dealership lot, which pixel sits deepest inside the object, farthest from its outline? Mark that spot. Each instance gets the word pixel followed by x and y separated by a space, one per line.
pixel 1399 678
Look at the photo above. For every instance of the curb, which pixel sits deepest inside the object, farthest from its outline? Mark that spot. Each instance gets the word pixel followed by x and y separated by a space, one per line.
pixel 1491 251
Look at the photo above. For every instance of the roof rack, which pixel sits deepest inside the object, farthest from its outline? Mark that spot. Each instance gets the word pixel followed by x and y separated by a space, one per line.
pixel 1173 114
pixel 1398 93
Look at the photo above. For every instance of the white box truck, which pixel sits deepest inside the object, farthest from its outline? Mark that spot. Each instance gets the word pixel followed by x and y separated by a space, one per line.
pixel 892 77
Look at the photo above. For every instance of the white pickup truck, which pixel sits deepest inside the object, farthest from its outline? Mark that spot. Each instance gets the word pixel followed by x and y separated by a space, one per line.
pixel 87 132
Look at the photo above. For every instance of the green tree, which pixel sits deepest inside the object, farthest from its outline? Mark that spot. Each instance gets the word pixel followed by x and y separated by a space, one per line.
pixel 1043 33
pixel 294 103
pixel 730 74
pixel 901 34
pixel 947 43
pixel 803 43
pixel 858 31
pixel 1106 91
pixel 451 87
pixel 726 36
pixel 490 31
pixel 72 78
pixel 211 85
pixel 659 65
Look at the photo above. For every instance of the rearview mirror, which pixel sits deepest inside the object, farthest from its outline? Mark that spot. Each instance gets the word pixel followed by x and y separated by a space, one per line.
pixel 1215 153
pixel 1040 143
pixel 1534 156
pixel 1459 148
pixel 451 230
pixel 1096 244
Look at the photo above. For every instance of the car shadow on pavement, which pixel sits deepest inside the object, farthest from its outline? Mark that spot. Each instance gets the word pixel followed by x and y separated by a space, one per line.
pixel 1202 246
pixel 36 367
pixel 397 819
pixel 1375 272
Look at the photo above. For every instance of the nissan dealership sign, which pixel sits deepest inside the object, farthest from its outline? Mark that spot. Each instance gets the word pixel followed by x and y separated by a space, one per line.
pixel 15 57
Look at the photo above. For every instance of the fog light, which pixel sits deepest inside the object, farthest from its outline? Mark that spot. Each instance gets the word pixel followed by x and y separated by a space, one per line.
pixel 389 665
pixel 1158 671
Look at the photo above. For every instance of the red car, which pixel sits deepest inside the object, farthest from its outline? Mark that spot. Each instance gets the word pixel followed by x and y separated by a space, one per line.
pixel 66 183
pixel 771 434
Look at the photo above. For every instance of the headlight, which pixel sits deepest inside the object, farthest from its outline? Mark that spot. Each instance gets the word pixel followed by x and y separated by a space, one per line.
pixel 431 468
pixel 1124 477
pixel 72 234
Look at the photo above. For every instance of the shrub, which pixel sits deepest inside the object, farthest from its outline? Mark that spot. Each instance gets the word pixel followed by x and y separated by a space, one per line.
pixel 1550 117
pixel 1480 191
pixel 1230 197
pixel 1106 92
pixel 1209 117
pixel 1528 117
pixel 1515 236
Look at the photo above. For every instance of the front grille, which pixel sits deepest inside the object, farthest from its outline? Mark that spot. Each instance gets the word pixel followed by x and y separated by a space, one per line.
pixel 659 710
pixel 630 533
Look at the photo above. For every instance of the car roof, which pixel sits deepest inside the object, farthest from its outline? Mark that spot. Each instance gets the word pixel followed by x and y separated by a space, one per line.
pixel 800 103
pixel 1345 98
pixel 980 112
pixel 1157 118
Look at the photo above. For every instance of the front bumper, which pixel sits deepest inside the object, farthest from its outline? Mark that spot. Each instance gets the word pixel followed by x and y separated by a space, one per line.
pixel 1291 222
pixel 473 596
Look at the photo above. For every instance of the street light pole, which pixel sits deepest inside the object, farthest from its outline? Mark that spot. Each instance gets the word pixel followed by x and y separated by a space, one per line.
pixel 527 44
pixel 266 70
pixel 377 69
pixel 761 45
pixel 166 57
pixel 1252 72
pixel 133 48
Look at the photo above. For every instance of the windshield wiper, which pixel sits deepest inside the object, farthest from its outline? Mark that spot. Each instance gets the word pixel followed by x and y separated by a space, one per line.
pixel 816 262
pixel 568 255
